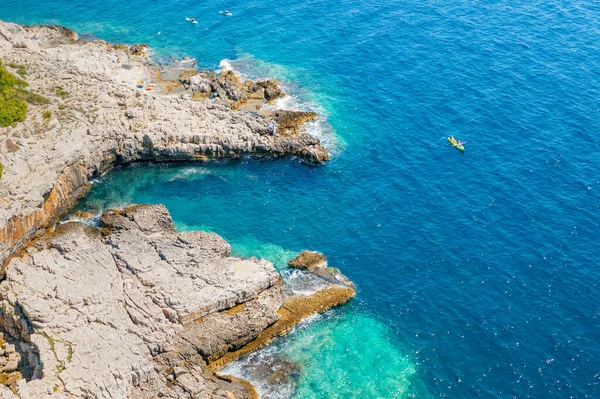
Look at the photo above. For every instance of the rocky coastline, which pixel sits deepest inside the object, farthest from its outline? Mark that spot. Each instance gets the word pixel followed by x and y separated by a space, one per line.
pixel 108 105
pixel 132 308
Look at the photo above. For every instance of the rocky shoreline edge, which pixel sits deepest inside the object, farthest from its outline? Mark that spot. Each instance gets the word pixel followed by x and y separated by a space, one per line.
pixel 107 105
pixel 132 309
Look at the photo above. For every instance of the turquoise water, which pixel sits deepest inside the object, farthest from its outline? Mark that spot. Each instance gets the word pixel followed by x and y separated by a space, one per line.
pixel 477 273
pixel 333 363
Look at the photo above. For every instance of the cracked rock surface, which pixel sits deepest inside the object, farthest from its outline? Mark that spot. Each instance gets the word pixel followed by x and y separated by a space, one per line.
pixel 133 308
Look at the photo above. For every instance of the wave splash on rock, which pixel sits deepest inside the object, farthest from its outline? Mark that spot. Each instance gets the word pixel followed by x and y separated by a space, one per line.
pixel 294 98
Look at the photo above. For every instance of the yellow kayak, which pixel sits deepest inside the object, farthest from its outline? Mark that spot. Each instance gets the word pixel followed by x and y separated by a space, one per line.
pixel 455 144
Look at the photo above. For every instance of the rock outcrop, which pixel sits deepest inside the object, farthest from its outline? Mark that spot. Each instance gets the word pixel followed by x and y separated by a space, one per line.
pixel 290 122
pixel 135 309
pixel 107 105
pixel 230 88
pixel 308 260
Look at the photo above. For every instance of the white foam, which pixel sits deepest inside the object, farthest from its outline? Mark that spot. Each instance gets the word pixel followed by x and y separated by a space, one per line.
pixel 299 282
pixel 191 172
pixel 93 220
pixel 226 66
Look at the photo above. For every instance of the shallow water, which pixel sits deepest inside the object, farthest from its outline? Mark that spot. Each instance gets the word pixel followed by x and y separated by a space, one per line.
pixel 332 364
pixel 477 272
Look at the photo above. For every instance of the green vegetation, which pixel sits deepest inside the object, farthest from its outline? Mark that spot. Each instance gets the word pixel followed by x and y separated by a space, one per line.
pixel 70 353
pixel 12 107
pixel 20 68
pixel 46 115
pixel 61 92
pixel 60 367
pixel 34 98
pixel 14 98
pixel 1 169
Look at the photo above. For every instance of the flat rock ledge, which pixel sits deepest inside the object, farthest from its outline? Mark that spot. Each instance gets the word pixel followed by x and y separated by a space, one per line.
pixel 109 104
pixel 134 309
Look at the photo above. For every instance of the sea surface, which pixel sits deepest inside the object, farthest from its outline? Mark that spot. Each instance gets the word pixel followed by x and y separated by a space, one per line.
pixel 478 273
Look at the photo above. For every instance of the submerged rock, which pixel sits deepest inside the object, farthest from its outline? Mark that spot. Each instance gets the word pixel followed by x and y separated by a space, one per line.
pixel 275 374
pixel 82 215
pixel 332 275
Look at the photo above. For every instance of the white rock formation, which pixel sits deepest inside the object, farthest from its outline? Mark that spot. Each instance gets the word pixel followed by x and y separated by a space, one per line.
pixel 91 311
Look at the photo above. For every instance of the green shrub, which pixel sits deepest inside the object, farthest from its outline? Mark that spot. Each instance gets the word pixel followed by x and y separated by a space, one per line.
pixel 8 80
pixel 1 169
pixel 46 114
pixel 12 106
pixel 14 97
pixel 33 98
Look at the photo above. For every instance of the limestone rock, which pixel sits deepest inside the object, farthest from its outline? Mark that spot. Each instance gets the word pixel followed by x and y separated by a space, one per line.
pixel 200 84
pixel 229 86
pixel 308 260
pixel 135 309
pixel 293 310
pixel 94 306
pixel 6 393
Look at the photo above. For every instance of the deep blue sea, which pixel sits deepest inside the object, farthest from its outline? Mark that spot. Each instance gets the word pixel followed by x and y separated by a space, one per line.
pixel 478 273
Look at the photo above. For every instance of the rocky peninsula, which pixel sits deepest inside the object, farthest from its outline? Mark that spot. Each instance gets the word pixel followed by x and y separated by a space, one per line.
pixel 109 104
pixel 132 308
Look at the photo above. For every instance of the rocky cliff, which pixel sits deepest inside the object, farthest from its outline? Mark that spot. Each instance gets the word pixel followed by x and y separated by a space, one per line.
pixel 134 309
pixel 109 104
